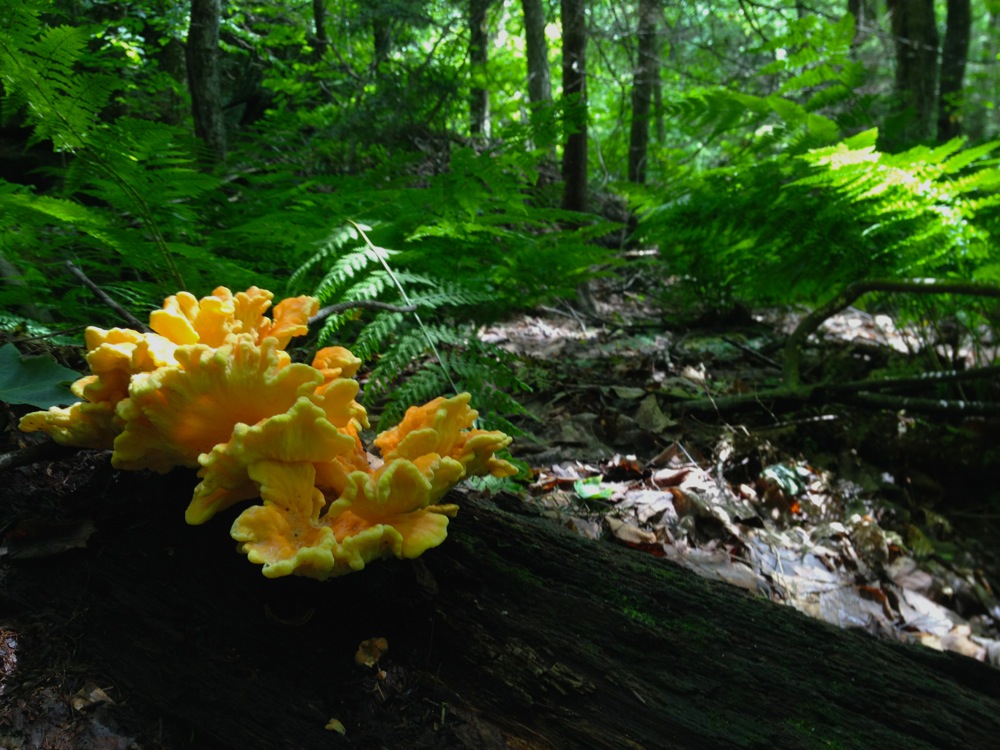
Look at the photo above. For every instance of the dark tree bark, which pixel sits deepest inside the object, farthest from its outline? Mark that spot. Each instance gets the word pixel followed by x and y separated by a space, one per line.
pixel 479 95
pixel 954 55
pixel 916 40
pixel 537 53
pixel 203 75
pixel 574 77
pixel 647 71
pixel 513 633
pixel 321 41
pixel 382 37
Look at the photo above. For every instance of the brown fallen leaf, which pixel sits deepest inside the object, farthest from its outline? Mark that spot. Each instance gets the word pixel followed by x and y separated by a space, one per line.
pixel 629 533
pixel 670 477
pixel 87 696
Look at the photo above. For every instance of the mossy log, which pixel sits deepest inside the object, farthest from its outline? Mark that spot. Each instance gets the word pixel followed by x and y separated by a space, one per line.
pixel 513 634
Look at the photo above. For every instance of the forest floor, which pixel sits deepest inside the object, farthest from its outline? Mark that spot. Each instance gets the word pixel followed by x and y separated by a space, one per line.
pixel 874 519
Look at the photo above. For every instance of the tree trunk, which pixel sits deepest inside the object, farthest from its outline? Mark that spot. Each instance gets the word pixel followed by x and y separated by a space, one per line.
pixel 537 53
pixel 574 78
pixel 513 633
pixel 647 70
pixel 479 95
pixel 916 39
pixel 864 16
pixel 954 55
pixel 382 38
pixel 203 75
pixel 321 41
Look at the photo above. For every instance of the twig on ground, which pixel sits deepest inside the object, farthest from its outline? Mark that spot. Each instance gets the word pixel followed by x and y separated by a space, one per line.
pixel 47 451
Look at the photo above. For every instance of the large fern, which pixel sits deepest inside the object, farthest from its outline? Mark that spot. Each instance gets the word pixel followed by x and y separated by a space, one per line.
pixel 790 228
pixel 131 200
pixel 805 97
pixel 41 76
pixel 426 351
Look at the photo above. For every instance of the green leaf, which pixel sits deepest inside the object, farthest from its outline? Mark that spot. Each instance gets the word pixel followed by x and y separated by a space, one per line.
pixel 591 489
pixel 36 381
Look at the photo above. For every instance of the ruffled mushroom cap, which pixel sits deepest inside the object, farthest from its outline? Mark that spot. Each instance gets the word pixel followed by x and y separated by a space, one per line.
pixel 81 425
pixel 282 534
pixel 398 497
pixel 290 319
pixel 441 427
pixel 115 356
pixel 213 386
pixel 186 320
pixel 381 514
pixel 214 319
pixel 336 362
pixel 142 351
pixel 287 537
pixel 303 434
pixel 173 414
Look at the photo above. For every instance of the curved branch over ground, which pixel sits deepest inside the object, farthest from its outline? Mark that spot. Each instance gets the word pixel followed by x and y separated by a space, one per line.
pixel 861 392
pixel 794 391
pixel 359 304
pixel 812 321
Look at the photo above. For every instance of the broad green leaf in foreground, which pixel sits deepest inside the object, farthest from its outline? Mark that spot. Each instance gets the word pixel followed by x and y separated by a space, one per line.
pixel 36 381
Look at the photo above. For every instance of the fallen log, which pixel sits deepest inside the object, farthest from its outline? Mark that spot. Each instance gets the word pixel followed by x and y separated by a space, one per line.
pixel 515 633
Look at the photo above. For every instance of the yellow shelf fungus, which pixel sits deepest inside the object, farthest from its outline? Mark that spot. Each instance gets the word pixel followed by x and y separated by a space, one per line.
pixel 212 387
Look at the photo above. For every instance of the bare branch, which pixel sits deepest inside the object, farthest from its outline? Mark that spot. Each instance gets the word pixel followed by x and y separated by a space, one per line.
pixel 103 296
pixel 365 304
pixel 793 347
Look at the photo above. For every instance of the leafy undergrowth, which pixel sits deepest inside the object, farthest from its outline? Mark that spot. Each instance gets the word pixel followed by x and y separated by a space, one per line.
pixel 879 520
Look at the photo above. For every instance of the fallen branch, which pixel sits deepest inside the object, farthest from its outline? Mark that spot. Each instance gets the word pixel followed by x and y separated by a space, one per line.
pixel 950 407
pixel 364 304
pixel 103 296
pixel 793 347
pixel 46 451
pixel 861 392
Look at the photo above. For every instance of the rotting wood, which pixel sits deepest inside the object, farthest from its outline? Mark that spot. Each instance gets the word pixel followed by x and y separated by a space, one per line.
pixel 514 633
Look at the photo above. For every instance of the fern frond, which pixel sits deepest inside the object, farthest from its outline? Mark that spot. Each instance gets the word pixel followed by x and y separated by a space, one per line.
pixel 11 324
pixel 329 247
pixel 40 75
pixel 409 344
pixel 350 264
pixel 371 340
pixel 484 370
pixel 446 294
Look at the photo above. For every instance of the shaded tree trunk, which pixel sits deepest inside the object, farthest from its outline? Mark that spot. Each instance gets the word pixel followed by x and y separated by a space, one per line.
pixel 479 95
pixel 321 40
pixel 382 37
pixel 203 75
pixel 539 86
pixel 864 15
pixel 916 40
pixel 647 71
pixel 954 55
pixel 574 83
pixel 537 53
